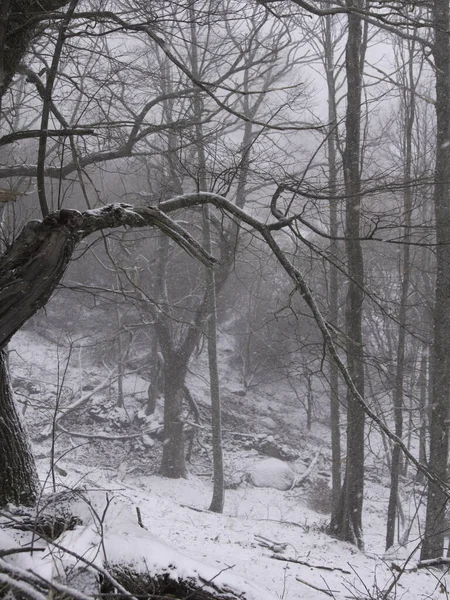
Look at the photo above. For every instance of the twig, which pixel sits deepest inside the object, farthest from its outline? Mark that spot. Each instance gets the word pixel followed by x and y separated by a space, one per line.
pixel 68 409
pixel 288 523
pixel 314 587
pixel 64 411
pixel 139 517
pixel 202 510
pixel 305 564
pixel 272 545
pixel 307 473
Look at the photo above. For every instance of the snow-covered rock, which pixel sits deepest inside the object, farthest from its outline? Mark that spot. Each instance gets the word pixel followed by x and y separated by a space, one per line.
pixel 269 423
pixel 273 473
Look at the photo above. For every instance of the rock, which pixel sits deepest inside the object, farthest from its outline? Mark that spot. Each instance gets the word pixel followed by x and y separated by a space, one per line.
pixel 148 441
pixel 271 447
pixel 268 423
pixel 237 390
pixel 271 473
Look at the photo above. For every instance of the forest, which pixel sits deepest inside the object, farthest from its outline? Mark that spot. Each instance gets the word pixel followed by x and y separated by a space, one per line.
pixel 224 292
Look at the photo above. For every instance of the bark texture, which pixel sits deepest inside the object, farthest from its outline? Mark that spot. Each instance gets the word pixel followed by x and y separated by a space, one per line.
pixel 173 463
pixel 31 269
pixel 19 482
pixel 20 23
pixel 433 543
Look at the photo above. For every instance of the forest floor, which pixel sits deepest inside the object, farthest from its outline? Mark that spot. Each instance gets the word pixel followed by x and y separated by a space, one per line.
pixel 272 537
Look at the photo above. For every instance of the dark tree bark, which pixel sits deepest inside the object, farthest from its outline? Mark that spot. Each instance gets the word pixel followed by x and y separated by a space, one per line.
pixel 218 498
pixel 27 279
pixel 433 543
pixel 174 369
pixel 20 23
pixel 422 384
pixel 33 266
pixel 173 463
pixel 156 387
pixel 19 482
pixel 346 522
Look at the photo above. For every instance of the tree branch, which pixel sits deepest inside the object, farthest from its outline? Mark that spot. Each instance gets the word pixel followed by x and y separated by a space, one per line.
pixel 10 138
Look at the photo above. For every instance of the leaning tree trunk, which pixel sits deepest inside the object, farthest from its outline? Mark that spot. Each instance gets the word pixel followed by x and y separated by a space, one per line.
pixel 19 482
pixel 29 272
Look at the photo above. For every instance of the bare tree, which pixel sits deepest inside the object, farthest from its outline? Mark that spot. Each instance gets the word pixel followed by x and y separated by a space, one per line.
pixel 408 99
pixel 440 362
pixel 346 522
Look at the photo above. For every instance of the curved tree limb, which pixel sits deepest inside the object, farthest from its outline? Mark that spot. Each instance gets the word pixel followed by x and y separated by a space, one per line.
pixel 33 266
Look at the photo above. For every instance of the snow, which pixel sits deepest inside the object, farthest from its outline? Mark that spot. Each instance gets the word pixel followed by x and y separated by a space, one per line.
pixel 225 548
pixel 272 473
pixel 181 533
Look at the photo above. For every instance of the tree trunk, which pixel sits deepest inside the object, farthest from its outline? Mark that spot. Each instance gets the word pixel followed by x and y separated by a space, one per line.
pixel 409 110
pixel 173 463
pixel 433 543
pixel 423 404
pixel 32 267
pixel 29 272
pixel 155 387
pixel 174 369
pixel 218 498
pixel 346 522
pixel 333 297
pixel 210 317
pixel 309 402
pixel 19 482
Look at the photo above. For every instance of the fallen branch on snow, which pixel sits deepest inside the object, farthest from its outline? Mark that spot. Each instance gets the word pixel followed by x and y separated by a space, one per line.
pixel 314 587
pixel 270 544
pixel 108 437
pixel 433 562
pixel 306 564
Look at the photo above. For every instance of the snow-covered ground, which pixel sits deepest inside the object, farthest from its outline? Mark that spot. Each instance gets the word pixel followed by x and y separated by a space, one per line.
pixel 270 537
